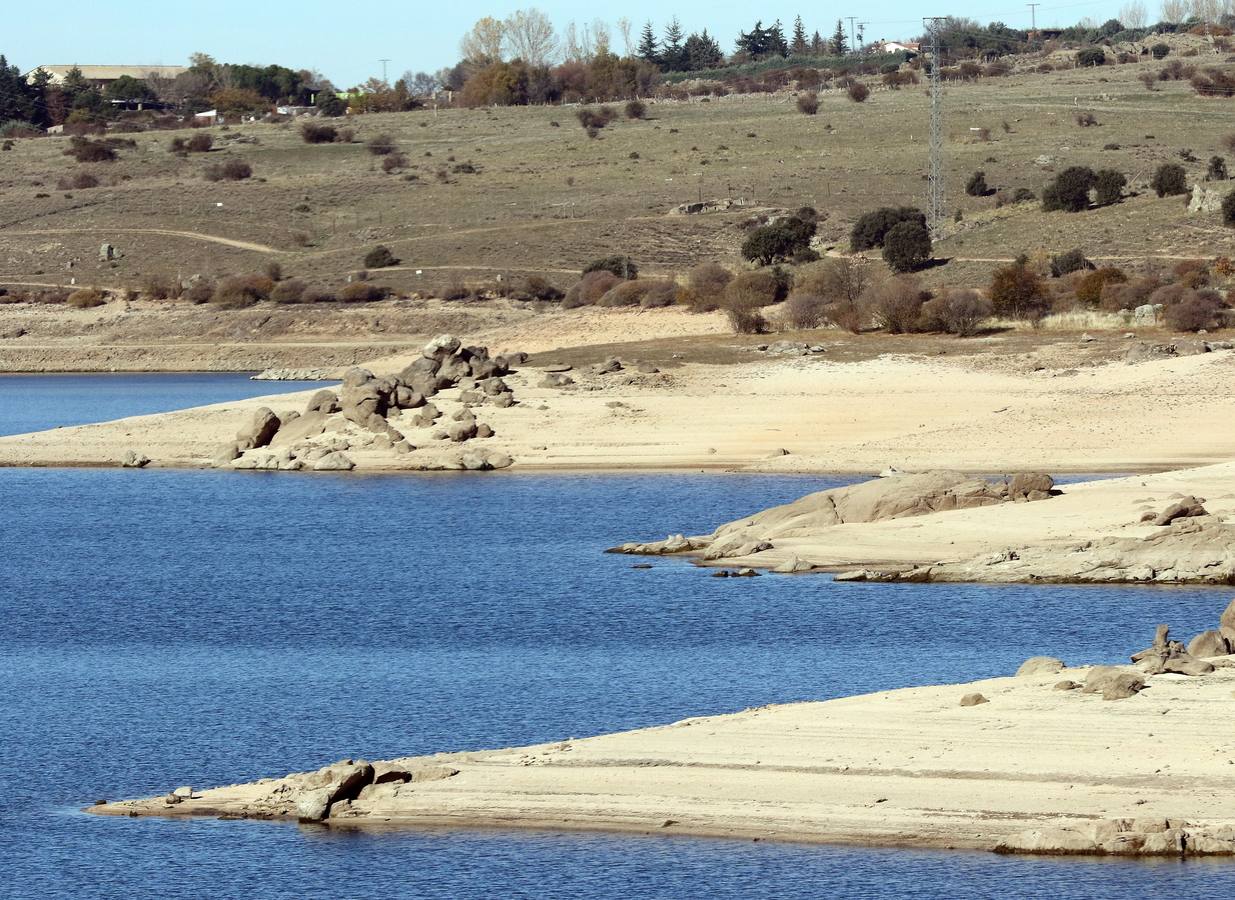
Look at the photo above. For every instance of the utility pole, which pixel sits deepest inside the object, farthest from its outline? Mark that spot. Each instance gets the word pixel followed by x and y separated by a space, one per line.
pixel 934 179
pixel 383 62
pixel 1033 15
pixel 862 36
pixel 853 48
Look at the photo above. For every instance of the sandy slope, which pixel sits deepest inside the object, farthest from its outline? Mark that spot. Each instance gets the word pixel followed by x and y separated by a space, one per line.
pixel 905 767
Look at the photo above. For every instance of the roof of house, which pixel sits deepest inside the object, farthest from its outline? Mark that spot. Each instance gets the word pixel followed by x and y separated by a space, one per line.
pixel 109 73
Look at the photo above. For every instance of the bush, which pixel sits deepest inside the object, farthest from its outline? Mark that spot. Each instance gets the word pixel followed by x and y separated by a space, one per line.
pixel 1071 261
pixel 895 304
pixel 379 258
pixel 85 298
pixel 1160 50
pixel 363 292
pixel 761 288
pixel 838 279
pixel 744 311
pixel 1087 120
pixel 1018 293
pixel 318 133
pixel 808 103
pixel 1169 180
pixel 317 295
pixel 805 311
pixel 290 291
pixel 158 286
pixel 594 119
pixel 537 287
pixel 705 284
pixel 1109 186
pixel 957 311
pixel 779 241
pixel 907 247
pixel 79 182
pixel 200 291
pixel 381 145
pixel 1135 292
pixel 1149 79
pixel 636 109
pixel 976 186
pixel 858 92
pixel 83 149
pixel 237 291
pixel 1213 83
pixel 590 288
pixel 1090 287
pixel 1217 169
pixel 199 143
pixel 621 266
pixel 1194 311
pixel 394 162
pixel 1070 190
pixel 232 170
pixel 1091 56
pixel 870 230
pixel 1228 209
pixel 646 293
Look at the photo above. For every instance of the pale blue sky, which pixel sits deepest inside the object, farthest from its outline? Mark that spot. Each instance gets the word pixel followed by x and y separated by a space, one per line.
pixel 346 41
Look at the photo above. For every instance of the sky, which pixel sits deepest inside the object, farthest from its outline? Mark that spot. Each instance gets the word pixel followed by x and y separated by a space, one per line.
pixel 348 43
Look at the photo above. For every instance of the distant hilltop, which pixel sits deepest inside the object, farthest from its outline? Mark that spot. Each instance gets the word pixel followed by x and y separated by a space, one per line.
pixel 101 76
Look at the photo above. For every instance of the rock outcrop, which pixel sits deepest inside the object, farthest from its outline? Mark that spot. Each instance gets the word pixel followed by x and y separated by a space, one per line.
pixel 1124 837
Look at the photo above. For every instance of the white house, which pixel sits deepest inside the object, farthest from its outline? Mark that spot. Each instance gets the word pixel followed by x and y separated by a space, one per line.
pixel 898 47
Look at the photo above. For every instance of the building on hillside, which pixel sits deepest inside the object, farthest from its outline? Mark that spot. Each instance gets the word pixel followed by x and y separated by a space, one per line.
pixel 898 47
pixel 102 76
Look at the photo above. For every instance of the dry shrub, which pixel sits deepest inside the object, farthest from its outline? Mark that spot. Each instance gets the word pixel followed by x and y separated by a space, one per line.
pixel 85 298
pixel 381 145
pixel 318 133
pixel 199 143
pixel 290 291
pixel 744 312
pixel 232 170
pixel 1090 285
pixel 895 304
pixel 1192 273
pixel 846 314
pixel 760 287
pixel 363 292
pixel 834 279
pixel 1195 311
pixel 317 295
pixel 537 287
pixel 238 291
pixel 83 149
pixel 590 288
pixel 457 290
pixel 958 311
pixel 1117 296
pixel 805 311
pixel 595 119
pixel 648 293
pixel 394 162
pixel 808 103
pixel 636 109
pixel 200 291
pixel 160 286
pixel 705 285
pixel 858 92
pixel 79 182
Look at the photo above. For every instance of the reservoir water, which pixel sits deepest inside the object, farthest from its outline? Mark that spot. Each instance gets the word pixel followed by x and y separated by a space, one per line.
pixel 160 628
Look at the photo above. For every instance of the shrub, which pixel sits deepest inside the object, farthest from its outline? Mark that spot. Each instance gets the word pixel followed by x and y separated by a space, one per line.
pixel 1071 261
pixel 648 293
pixel 590 288
pixel 1135 292
pixel 1195 310
pixel 805 311
pixel 85 298
pixel 290 291
pixel 318 133
pixel 1023 195
pixel 705 284
pixel 849 315
pixel 1109 186
pixel 363 292
pixel 1228 209
pixel 200 291
pixel 537 287
pixel 744 311
pixel 237 291
pixel 1217 169
pixel 808 103
pixel 957 311
pixel 394 162
pixel 1091 56
pixel 621 266
pixel 232 170
pixel 778 241
pixel 907 246
pixel 79 182
pixel 594 119
pixel 1091 285
pixel 1169 180
pixel 1160 50
pixel 636 109
pixel 895 304
pixel 760 288
pixel 976 186
pixel 1213 83
pixel 1018 293
pixel 273 270
pixel 838 279
pixel 381 145
pixel 1087 120
pixel 1192 272
pixel 317 295
pixel 858 92
pixel 1070 190
pixel 199 143
pixel 83 149
pixel 158 286
pixel 379 258
pixel 1149 79
pixel 870 230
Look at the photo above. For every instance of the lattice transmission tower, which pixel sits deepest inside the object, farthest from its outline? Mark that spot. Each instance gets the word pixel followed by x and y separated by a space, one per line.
pixel 934 179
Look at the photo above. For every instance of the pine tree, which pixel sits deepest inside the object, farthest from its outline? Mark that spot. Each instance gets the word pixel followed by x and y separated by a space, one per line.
pixel 799 46
pixel 702 52
pixel 777 45
pixel 840 45
pixel 649 49
pixel 672 56
pixel 818 46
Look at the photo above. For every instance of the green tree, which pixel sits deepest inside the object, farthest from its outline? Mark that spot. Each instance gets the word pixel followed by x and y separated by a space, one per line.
pixel 1109 185
pixel 800 46
pixel 1169 180
pixel 907 246
pixel 649 47
pixel 702 52
pixel 672 53
pixel 840 44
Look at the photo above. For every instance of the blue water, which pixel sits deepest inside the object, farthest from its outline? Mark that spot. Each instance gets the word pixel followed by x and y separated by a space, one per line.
pixel 160 628
pixel 37 402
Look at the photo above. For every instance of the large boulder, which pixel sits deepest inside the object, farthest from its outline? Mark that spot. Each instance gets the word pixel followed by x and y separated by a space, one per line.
pixel 261 429
pixel 1113 682
pixel 1025 484
pixel 1209 643
pixel 335 461
pixel 1187 507
pixel 1040 665
pixel 325 400
pixel 301 428
pixel 1226 624
pixel 440 348
pixel 1165 655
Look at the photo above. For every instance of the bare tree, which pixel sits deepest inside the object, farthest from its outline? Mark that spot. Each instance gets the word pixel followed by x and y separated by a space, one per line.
pixel 421 84
pixel 1132 14
pixel 1175 10
pixel 483 44
pixel 530 37
pixel 572 50
pixel 624 29
pixel 1208 11
pixel 602 37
